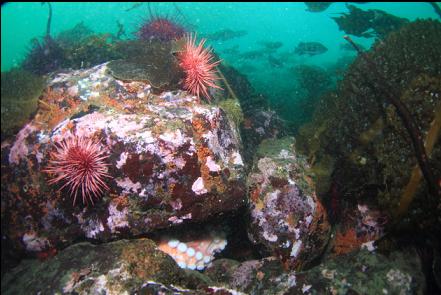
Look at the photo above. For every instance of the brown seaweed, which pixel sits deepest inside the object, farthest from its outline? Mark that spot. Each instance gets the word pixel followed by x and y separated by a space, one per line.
pixel 377 80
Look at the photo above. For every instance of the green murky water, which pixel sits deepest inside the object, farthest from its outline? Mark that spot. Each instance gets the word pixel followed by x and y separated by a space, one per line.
pixel 288 23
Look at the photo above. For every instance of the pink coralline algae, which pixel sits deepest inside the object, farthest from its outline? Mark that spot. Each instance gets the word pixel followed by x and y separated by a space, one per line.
pixel 79 163
pixel 150 163
pixel 20 150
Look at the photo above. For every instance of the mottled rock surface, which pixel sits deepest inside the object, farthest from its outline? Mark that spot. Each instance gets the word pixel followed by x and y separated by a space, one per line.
pixel 121 267
pixel 286 215
pixel 257 121
pixel 360 272
pixel 170 159
pixel 150 61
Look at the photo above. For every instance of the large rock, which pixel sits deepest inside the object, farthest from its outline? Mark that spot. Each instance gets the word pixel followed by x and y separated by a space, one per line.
pixel 121 267
pixel 170 160
pixel 360 272
pixel 287 218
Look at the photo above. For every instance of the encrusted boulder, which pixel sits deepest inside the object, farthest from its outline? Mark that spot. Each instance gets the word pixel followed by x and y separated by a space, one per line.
pixel 164 160
pixel 287 218
pixel 360 272
pixel 121 267
pixel 361 227
pixel 150 61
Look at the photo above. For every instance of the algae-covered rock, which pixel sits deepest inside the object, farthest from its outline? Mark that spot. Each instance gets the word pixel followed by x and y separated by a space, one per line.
pixel 265 276
pixel 221 270
pixel 360 272
pixel 115 268
pixel 313 79
pixel 364 272
pixel 233 110
pixel 286 215
pixel 169 160
pixel 152 62
pixel 19 99
pixel 262 124
pixel 92 50
pixel 74 36
pixel 84 48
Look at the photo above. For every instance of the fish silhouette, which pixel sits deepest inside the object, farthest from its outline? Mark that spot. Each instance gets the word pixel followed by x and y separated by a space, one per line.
pixel 310 48
pixel 225 35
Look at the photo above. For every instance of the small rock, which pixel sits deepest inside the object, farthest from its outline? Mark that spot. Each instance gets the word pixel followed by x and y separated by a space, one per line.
pixel 286 215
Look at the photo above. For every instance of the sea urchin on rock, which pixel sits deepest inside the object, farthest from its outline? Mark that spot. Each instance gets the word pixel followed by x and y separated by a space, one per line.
pixel 79 164
pixel 199 67
pixel 160 28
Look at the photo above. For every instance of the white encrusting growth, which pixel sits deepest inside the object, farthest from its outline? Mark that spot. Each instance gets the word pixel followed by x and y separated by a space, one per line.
pixel 296 248
pixel 198 187
pixel 212 166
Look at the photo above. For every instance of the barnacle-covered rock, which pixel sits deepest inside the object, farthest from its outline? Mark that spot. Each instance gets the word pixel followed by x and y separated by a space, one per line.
pixel 286 215
pixel 171 160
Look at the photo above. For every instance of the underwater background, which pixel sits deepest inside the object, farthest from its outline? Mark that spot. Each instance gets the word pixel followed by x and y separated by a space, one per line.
pixel 221 148
pixel 288 23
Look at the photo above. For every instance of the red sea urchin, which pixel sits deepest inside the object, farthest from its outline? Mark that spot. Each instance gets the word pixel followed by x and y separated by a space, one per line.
pixel 199 67
pixel 162 28
pixel 79 164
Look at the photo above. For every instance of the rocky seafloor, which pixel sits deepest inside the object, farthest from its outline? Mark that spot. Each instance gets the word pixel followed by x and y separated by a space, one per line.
pixel 214 198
